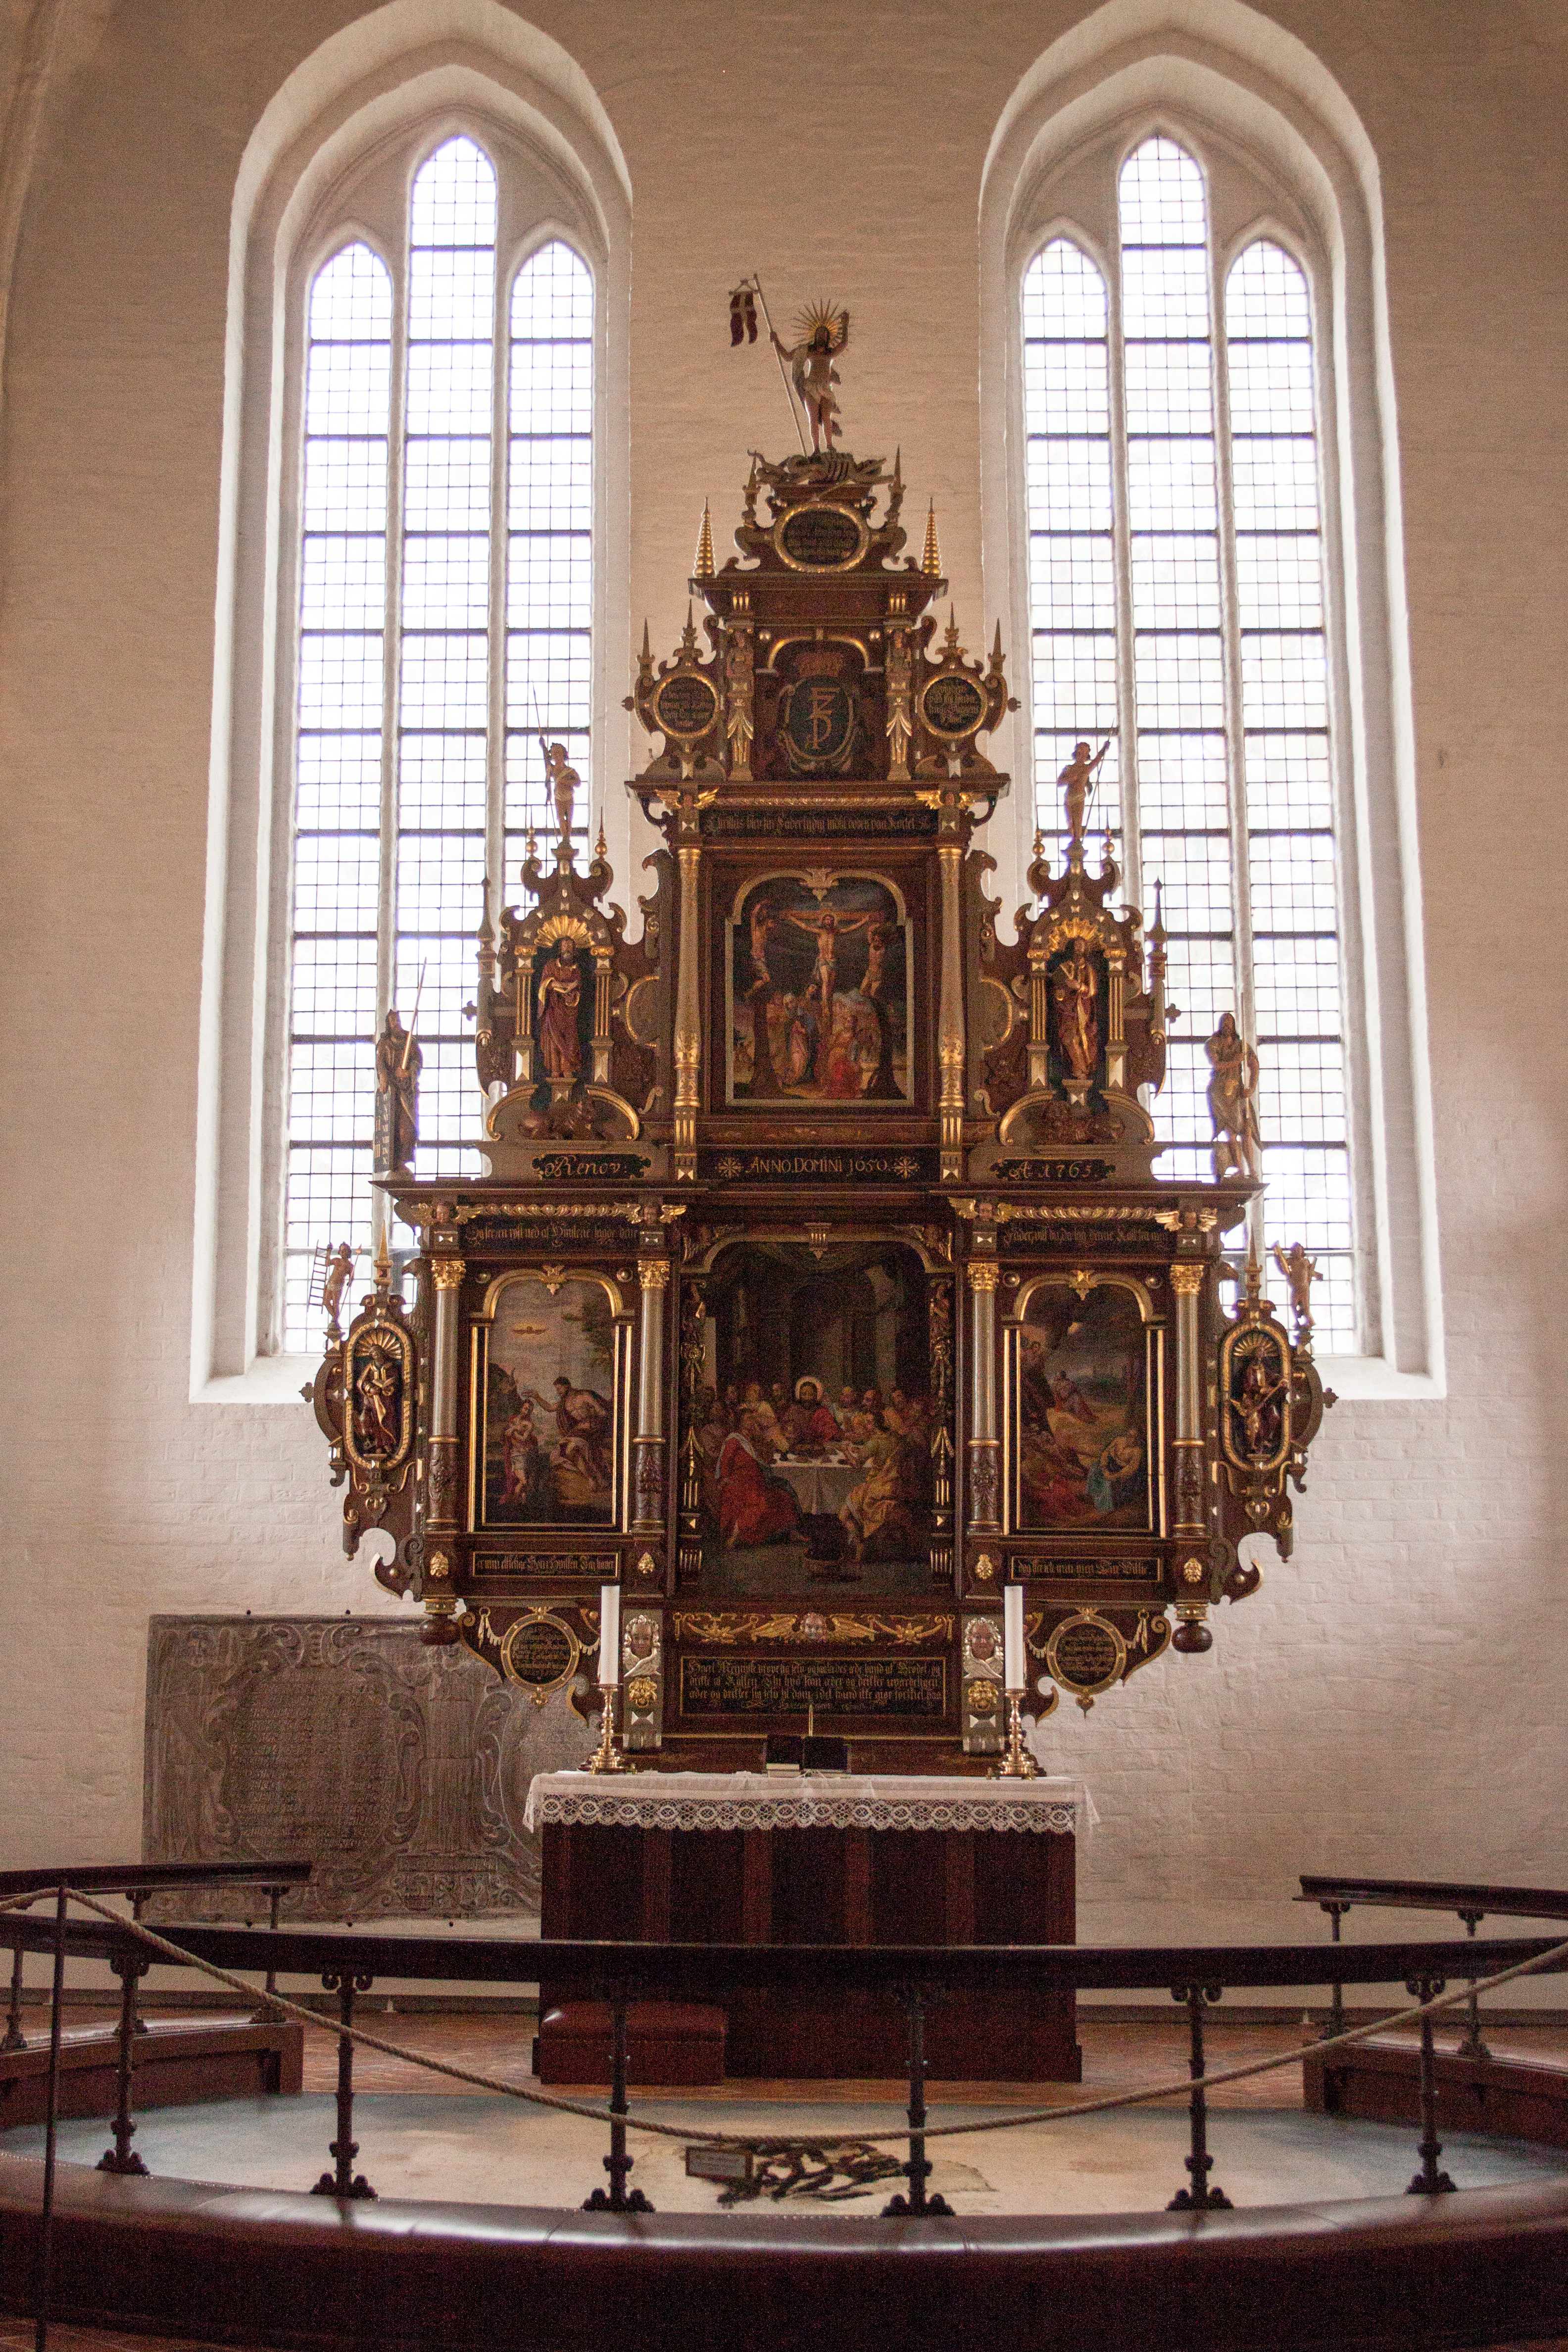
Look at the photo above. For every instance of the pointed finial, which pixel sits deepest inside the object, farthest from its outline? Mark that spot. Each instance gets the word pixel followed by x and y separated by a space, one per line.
pixel 1254 1272
pixel 600 846
pixel 689 633
pixel 996 648
pixel 483 933
pixel 899 467
pixel 931 561
pixel 645 659
pixel 1157 929
pixel 382 1264
pixel 950 643
pixel 705 566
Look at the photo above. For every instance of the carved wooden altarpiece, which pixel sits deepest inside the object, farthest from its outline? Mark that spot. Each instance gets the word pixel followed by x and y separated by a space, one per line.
pixel 822 1282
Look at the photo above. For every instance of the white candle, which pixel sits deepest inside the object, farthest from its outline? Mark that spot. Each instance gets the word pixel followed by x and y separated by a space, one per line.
pixel 1013 1637
pixel 609 1633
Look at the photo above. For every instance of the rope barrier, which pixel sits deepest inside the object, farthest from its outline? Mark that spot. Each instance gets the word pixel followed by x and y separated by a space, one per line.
pixel 754 2146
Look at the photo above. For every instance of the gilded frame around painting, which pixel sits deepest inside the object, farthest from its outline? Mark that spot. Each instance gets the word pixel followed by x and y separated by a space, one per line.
pixel 550 1368
pixel 819 993
pixel 1084 1410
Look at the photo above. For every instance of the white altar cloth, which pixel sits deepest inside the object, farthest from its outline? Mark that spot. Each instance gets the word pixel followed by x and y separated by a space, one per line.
pixel 838 1801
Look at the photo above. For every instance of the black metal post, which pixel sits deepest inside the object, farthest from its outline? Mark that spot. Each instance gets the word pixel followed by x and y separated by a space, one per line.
pixel 128 1967
pixel 268 2013
pixel 1429 2181
pixel 137 1903
pixel 618 2164
pixel 344 2181
pixel 14 2037
pixel 917 2205
pixel 51 2122
pixel 1336 2023
pixel 1199 2198
pixel 1472 2046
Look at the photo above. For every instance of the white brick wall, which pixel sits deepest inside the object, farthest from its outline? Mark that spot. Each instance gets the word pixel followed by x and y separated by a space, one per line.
pixel 1392 1698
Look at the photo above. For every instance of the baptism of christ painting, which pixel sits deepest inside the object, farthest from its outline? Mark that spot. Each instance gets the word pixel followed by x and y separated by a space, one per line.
pixel 550 1406
pixel 819 992
pixel 1082 1416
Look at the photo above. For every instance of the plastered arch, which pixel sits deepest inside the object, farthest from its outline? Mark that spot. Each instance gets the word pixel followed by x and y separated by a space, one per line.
pixel 466 63
pixel 1220 68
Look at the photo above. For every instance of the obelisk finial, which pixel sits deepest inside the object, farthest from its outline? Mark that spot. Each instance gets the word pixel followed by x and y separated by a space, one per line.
pixel 705 566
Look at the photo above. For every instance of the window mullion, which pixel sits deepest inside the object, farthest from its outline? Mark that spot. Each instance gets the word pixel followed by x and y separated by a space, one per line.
pixel 1122 556
pixel 1230 629
pixel 392 676
pixel 499 574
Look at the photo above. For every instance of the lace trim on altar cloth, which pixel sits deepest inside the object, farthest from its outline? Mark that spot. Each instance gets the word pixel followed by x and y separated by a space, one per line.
pixel 578 1798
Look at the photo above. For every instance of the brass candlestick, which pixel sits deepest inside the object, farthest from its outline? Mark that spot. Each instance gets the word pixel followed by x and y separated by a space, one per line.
pixel 607 1757
pixel 1017 1764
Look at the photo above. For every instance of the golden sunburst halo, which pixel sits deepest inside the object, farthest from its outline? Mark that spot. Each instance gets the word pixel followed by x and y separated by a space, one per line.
pixel 831 315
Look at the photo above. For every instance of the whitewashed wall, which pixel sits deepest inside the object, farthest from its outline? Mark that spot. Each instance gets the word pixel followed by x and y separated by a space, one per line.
pixel 1393 1699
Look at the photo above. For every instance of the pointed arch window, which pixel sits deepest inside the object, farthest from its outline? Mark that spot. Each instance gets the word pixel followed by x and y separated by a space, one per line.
pixel 1178 607
pixel 446 591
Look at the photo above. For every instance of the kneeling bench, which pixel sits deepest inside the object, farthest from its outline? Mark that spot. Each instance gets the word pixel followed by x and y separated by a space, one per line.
pixel 668 2042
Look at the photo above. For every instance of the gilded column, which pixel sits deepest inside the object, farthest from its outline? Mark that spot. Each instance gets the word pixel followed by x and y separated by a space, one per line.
pixel 441 1477
pixel 688 998
pixel 950 1016
pixel 647 1474
pixel 984 1449
pixel 1187 1282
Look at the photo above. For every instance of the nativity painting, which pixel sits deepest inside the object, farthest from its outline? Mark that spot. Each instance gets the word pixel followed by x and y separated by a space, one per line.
pixel 1081 1412
pixel 551 1383
pixel 814 1425
pixel 820 975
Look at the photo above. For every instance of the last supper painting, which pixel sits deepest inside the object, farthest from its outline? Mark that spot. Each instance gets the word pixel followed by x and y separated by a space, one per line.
pixel 819 971
pixel 815 1428
pixel 1082 1411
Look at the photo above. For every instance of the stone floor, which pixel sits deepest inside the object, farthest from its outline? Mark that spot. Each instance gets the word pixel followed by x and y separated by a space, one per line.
pixel 415 2142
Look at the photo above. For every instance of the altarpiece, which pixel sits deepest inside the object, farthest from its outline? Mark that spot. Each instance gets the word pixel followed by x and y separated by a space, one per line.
pixel 822 1284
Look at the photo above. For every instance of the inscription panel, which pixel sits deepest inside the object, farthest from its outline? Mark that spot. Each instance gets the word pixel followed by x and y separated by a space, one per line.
pixel 603 1568
pixel 838 1689
pixel 402 1772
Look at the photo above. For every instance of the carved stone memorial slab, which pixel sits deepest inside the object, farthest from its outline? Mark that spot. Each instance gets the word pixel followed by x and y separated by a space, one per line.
pixel 401 1771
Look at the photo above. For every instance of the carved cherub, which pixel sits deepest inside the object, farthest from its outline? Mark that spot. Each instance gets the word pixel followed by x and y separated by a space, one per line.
pixel 335 1274
pixel 1299 1270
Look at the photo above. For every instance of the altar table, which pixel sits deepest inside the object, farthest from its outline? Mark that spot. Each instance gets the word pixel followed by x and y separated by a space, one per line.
pixel 829 1858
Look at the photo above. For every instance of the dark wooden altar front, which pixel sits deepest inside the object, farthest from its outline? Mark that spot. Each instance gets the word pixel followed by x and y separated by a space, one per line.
pixel 835 1886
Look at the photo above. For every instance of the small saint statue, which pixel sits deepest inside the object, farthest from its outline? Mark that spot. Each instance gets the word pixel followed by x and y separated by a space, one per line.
pixel 559 995
pixel 822 334
pixel 1299 1270
pixel 1232 1103
pixel 1075 1004
pixel 398 1062
pixel 1258 1410
pixel 1077 779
